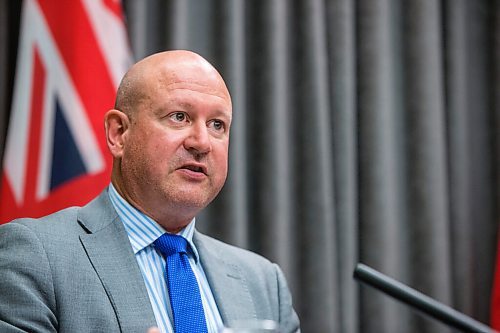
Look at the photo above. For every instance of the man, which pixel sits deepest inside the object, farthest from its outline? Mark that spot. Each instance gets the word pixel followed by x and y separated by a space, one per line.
pixel 101 268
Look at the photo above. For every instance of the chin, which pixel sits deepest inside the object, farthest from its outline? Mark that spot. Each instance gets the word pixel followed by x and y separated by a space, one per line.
pixel 189 200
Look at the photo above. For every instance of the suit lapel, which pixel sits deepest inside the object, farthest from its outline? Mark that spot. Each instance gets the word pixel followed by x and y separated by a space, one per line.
pixel 227 283
pixel 108 248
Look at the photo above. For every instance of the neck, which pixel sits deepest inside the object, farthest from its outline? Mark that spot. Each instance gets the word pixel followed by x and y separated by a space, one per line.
pixel 164 217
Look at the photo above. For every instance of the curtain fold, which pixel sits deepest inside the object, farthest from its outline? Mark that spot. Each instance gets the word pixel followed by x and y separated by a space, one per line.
pixel 455 18
pixel 4 80
pixel 341 34
pixel 314 174
pixel 380 175
pixel 427 174
pixel 10 12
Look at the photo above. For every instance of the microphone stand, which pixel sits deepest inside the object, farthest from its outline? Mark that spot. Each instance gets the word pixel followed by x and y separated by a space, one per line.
pixel 418 300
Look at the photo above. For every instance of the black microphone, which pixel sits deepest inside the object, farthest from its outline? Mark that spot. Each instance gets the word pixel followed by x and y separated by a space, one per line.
pixel 418 300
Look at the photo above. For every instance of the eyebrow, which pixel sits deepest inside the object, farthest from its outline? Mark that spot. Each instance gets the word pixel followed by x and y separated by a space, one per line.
pixel 188 106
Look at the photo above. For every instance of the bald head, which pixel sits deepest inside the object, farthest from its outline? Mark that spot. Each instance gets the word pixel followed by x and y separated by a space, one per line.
pixel 159 70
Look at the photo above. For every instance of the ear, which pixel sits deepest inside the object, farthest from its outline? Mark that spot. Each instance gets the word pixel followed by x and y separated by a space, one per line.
pixel 116 124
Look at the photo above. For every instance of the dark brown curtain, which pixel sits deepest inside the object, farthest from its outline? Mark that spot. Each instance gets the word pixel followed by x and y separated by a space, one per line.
pixel 363 130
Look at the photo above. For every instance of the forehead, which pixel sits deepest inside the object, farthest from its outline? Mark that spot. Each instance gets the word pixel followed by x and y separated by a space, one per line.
pixel 179 89
pixel 194 99
pixel 190 83
pixel 170 78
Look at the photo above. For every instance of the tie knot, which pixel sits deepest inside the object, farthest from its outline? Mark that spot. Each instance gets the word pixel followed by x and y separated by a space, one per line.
pixel 169 244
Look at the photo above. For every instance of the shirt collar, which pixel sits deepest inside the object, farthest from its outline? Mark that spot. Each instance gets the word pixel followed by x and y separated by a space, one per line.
pixel 141 229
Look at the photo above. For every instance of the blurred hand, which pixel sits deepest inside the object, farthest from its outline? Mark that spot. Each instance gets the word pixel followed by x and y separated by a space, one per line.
pixel 153 330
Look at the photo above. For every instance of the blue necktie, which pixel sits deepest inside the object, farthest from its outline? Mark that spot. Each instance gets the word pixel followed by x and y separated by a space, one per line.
pixel 185 298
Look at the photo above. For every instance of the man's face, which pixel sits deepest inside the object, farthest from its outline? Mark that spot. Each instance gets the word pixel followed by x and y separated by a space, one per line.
pixel 176 148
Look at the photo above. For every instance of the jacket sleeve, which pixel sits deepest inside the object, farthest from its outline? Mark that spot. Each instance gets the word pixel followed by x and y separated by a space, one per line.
pixel 289 321
pixel 27 298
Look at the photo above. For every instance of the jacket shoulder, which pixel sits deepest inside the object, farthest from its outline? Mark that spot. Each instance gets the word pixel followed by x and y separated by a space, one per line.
pixel 56 223
pixel 231 253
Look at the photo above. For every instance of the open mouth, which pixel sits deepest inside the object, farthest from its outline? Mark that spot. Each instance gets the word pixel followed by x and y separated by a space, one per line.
pixel 195 168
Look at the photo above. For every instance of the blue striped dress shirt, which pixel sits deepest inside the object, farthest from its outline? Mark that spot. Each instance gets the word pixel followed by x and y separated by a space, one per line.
pixel 142 232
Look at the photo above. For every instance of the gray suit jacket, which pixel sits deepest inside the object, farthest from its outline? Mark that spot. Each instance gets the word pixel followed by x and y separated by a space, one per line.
pixel 74 271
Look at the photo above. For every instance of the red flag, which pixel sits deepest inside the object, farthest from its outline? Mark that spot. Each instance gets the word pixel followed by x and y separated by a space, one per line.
pixel 495 302
pixel 71 57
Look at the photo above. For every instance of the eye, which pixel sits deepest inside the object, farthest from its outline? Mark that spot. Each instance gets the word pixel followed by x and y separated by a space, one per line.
pixel 217 125
pixel 178 116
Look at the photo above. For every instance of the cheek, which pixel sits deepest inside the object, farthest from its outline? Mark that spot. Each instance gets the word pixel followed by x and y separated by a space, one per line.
pixel 134 158
pixel 162 149
pixel 221 161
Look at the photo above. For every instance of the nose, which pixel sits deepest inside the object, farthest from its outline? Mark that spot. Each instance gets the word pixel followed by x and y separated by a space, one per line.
pixel 198 139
